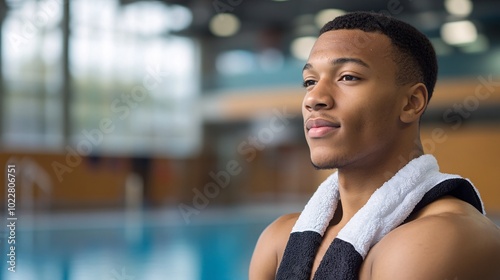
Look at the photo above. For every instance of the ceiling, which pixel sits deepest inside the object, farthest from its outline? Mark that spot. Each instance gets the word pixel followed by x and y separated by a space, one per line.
pixel 267 22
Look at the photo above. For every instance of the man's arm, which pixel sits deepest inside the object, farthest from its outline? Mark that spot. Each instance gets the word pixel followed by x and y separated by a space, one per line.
pixel 448 246
pixel 270 247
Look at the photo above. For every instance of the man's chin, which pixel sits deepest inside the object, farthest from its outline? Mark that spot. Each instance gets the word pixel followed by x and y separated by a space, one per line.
pixel 323 166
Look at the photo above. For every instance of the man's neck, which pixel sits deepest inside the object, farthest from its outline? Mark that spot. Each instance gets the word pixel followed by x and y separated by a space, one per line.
pixel 356 185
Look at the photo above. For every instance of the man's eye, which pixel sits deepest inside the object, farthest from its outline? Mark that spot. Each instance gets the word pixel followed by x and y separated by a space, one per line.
pixel 308 83
pixel 349 78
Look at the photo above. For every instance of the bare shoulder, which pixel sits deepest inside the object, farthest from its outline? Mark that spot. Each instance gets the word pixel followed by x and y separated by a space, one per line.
pixel 449 239
pixel 270 247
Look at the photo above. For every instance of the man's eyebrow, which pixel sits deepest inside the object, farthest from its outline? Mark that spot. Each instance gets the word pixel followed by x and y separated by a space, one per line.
pixel 344 60
pixel 341 60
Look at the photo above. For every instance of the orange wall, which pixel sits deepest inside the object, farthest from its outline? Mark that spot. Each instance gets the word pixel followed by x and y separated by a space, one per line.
pixel 275 174
pixel 79 185
pixel 90 183
pixel 474 153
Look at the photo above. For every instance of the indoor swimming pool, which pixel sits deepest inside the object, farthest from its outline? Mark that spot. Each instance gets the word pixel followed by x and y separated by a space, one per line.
pixel 216 245
pixel 135 246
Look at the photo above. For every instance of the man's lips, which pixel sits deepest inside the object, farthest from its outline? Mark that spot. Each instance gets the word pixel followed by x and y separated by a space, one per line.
pixel 316 123
pixel 319 127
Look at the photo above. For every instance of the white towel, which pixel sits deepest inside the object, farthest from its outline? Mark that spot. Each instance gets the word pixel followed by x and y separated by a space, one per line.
pixel 387 208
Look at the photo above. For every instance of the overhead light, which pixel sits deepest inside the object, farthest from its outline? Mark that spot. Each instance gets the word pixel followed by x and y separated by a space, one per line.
pixel 301 47
pixel 305 19
pixel 304 26
pixel 153 18
pixel 235 62
pixel 324 16
pixel 458 7
pixel 180 17
pixel 459 32
pixel 306 30
pixel 271 59
pixel 481 44
pixel 440 47
pixel 429 20
pixel 224 24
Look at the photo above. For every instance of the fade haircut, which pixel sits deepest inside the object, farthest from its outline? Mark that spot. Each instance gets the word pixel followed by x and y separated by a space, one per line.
pixel 413 52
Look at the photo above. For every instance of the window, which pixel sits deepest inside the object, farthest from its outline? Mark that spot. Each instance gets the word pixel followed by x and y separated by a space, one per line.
pixel 134 85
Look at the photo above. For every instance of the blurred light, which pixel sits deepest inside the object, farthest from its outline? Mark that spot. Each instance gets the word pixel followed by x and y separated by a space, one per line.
pixel 152 18
pixel 324 16
pixel 481 44
pixel 224 25
pixel 41 14
pixel 235 62
pixel 306 30
pixel 429 20
pixel 271 59
pixel 459 32
pixel 304 20
pixel 304 25
pixel 458 7
pixel 180 17
pixel 493 59
pixel 441 47
pixel 301 47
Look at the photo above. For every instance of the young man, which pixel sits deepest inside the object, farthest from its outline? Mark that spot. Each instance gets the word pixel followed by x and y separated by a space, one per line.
pixel 368 80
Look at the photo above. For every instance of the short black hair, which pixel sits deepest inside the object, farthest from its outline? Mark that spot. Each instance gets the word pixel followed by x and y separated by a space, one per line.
pixel 414 54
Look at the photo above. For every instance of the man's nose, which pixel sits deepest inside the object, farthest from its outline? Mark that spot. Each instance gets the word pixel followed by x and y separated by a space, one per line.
pixel 319 98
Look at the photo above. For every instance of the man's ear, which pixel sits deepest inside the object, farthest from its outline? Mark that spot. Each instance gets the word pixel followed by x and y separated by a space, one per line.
pixel 416 98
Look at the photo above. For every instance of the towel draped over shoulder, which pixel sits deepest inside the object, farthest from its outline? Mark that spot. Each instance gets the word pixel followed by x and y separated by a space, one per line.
pixel 413 187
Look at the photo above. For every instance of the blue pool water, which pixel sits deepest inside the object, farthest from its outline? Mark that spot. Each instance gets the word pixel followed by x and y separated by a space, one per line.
pixel 149 246
pixel 216 245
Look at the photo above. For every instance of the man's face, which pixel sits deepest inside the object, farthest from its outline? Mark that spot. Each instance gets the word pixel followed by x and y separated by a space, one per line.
pixel 352 103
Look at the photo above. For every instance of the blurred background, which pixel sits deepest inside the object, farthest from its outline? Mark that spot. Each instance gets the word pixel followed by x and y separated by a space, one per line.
pixel 157 139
